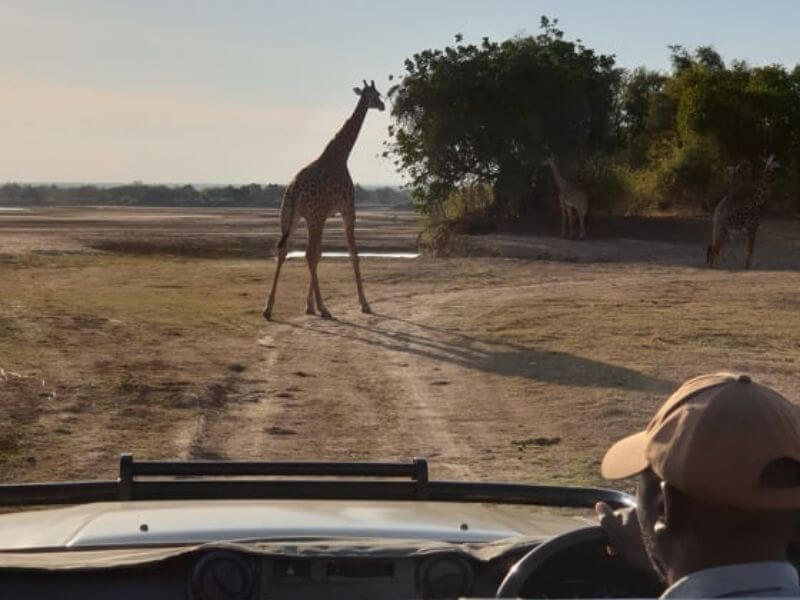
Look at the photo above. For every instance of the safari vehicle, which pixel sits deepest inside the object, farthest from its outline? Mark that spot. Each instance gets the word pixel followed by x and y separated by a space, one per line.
pixel 252 530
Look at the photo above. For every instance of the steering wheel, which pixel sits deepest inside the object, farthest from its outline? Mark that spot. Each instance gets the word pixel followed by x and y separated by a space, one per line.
pixel 527 566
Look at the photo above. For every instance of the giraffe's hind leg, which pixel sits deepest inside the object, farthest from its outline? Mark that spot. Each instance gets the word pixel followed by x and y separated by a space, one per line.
pixel 582 223
pixel 311 307
pixel 749 244
pixel 313 254
pixel 288 221
pixel 348 217
pixel 571 218
pixel 715 251
pixel 282 252
pixel 718 237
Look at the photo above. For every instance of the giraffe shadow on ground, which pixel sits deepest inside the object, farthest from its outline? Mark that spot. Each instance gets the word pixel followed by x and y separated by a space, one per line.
pixel 489 356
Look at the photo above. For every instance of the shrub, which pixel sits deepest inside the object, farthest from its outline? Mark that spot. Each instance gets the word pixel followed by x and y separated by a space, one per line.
pixel 608 184
pixel 684 176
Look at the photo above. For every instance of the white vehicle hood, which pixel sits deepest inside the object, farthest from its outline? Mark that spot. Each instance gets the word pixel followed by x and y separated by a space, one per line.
pixel 144 523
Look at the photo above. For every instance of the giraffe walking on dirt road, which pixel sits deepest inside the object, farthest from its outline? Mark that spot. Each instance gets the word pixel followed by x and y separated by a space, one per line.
pixel 319 191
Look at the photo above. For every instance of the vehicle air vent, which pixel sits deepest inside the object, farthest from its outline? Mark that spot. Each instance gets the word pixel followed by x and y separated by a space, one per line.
pixel 447 576
pixel 222 575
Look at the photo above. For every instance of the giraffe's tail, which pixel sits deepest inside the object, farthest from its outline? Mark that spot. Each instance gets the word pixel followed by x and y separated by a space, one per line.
pixel 287 218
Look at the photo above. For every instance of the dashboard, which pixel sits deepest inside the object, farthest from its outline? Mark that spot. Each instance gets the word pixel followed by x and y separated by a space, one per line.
pixel 222 574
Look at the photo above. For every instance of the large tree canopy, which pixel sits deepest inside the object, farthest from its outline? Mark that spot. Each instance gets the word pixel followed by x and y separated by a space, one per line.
pixel 492 112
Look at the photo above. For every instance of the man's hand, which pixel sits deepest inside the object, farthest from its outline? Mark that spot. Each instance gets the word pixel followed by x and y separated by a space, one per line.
pixel 623 531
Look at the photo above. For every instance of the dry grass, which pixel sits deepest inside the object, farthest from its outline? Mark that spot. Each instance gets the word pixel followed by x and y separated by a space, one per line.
pixel 114 352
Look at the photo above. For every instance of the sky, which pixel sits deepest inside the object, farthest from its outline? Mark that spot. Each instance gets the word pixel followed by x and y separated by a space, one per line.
pixel 250 91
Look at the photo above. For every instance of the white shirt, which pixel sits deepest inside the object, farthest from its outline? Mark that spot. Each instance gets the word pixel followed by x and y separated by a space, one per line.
pixel 769 578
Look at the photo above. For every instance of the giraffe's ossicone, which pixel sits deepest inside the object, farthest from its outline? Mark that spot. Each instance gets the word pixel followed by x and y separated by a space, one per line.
pixel 318 191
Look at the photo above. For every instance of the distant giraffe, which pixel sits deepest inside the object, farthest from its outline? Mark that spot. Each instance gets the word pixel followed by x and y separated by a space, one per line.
pixel 570 197
pixel 730 220
pixel 723 207
pixel 319 191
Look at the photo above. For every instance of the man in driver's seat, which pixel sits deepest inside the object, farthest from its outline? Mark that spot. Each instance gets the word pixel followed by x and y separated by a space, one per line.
pixel 718 489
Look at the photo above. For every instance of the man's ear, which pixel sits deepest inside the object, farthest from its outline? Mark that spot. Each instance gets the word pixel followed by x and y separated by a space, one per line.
pixel 667 508
pixel 357 91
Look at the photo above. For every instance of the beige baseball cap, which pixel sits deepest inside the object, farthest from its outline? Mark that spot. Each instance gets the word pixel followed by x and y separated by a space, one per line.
pixel 712 439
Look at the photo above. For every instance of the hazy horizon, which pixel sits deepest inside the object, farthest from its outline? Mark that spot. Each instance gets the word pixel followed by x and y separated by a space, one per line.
pixel 251 92
pixel 197 184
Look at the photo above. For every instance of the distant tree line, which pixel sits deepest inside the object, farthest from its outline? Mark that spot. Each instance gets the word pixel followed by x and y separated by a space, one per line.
pixel 137 194
pixel 475 121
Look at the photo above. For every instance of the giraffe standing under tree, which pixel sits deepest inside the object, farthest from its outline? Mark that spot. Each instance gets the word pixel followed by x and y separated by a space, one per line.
pixel 570 197
pixel 723 207
pixel 730 220
pixel 319 191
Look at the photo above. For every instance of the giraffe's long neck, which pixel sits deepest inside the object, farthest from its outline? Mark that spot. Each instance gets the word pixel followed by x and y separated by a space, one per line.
pixel 561 184
pixel 338 149
pixel 762 192
pixel 730 186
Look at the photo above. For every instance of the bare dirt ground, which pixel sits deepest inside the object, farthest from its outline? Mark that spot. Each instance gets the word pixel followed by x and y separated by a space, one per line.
pixel 140 330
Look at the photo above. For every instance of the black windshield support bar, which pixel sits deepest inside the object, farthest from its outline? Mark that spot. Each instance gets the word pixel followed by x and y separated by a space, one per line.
pixel 125 480
pixel 168 482
pixel 421 478
pixel 198 468
pixel 29 494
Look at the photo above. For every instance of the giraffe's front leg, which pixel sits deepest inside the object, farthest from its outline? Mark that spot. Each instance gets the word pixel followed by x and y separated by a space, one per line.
pixel 749 244
pixel 311 308
pixel 570 220
pixel 348 219
pixel 313 254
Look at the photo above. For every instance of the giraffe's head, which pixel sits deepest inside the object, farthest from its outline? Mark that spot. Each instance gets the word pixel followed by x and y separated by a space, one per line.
pixel 770 164
pixel 731 171
pixel 732 175
pixel 370 95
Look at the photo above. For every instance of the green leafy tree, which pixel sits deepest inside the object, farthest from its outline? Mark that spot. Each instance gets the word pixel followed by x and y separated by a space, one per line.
pixel 682 129
pixel 489 114
pixel 647 113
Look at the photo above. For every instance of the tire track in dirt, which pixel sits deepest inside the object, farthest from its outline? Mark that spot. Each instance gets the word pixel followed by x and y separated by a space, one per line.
pixel 356 388
pixel 259 419
pixel 234 429
pixel 404 384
